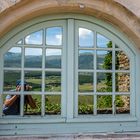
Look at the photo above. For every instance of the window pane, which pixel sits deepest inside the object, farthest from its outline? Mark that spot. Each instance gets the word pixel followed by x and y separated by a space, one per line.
pixel 122 104
pixel 104 60
pixel 122 82
pixel 33 58
pixel 85 82
pixel 10 79
pixel 53 81
pixel 53 58
pixel 13 109
pixel 122 61
pixel 13 57
pixel 54 36
pixel 104 82
pixel 85 104
pixel 20 42
pixel 34 38
pixel 86 59
pixel 86 38
pixel 34 79
pixel 53 105
pixel 103 42
pixel 104 104
pixel 32 105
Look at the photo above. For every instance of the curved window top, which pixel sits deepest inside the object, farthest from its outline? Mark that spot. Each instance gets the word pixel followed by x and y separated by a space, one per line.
pixel 47 58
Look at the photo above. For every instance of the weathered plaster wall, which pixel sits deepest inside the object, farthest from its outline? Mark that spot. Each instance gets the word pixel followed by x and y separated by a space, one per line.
pixel 125 15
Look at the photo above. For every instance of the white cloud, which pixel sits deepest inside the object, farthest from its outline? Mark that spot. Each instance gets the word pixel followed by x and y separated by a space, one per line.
pixel 50 52
pixel 84 32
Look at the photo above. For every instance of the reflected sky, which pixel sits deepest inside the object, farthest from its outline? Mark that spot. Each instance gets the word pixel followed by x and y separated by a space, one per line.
pixel 86 37
pixel 33 51
pixel 34 38
pixel 102 41
pixel 50 52
pixel 54 36
pixel 15 50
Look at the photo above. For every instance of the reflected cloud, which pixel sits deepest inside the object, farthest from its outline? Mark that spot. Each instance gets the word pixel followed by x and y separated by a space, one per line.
pixel 34 38
pixel 15 50
pixel 33 52
pixel 50 52
pixel 83 33
pixel 54 36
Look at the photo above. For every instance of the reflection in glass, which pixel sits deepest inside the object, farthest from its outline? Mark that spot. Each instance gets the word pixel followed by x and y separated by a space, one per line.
pixel 12 58
pixel 122 103
pixel 20 42
pixel 34 79
pixel 103 42
pixel 122 82
pixel 122 61
pixel 53 104
pixel 104 104
pixel 104 60
pixel 53 58
pixel 32 105
pixel 86 38
pixel 53 81
pixel 14 108
pixel 85 104
pixel 85 82
pixel 104 82
pixel 10 79
pixel 86 59
pixel 35 38
pixel 33 58
pixel 54 36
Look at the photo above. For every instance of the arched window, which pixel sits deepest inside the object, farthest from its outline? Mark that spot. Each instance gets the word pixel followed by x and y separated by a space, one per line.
pixel 73 67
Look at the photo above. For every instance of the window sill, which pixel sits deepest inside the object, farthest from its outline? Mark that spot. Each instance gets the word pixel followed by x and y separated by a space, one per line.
pixel 31 119
pixel 103 118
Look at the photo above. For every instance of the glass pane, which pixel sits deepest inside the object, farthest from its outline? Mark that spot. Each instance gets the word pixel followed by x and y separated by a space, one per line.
pixel 34 80
pixel 53 81
pixel 85 104
pixel 35 38
pixel 103 42
pixel 122 82
pixel 12 58
pixel 53 105
pixel 14 108
pixel 54 36
pixel 116 46
pixel 104 104
pixel 104 60
pixel 122 103
pixel 86 59
pixel 32 105
pixel 86 38
pixel 20 42
pixel 53 58
pixel 85 82
pixel 10 79
pixel 104 82
pixel 122 61
pixel 33 58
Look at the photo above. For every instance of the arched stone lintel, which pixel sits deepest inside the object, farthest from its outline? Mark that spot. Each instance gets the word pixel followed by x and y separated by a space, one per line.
pixel 107 10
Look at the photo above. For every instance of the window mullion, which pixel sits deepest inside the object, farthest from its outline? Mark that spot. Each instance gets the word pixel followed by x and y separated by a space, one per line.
pixel 43 75
pixel 113 80
pixel 70 69
pixel 22 79
pixel 1 85
pixel 95 75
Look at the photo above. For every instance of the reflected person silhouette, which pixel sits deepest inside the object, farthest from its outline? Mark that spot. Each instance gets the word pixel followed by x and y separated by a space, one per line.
pixel 11 104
